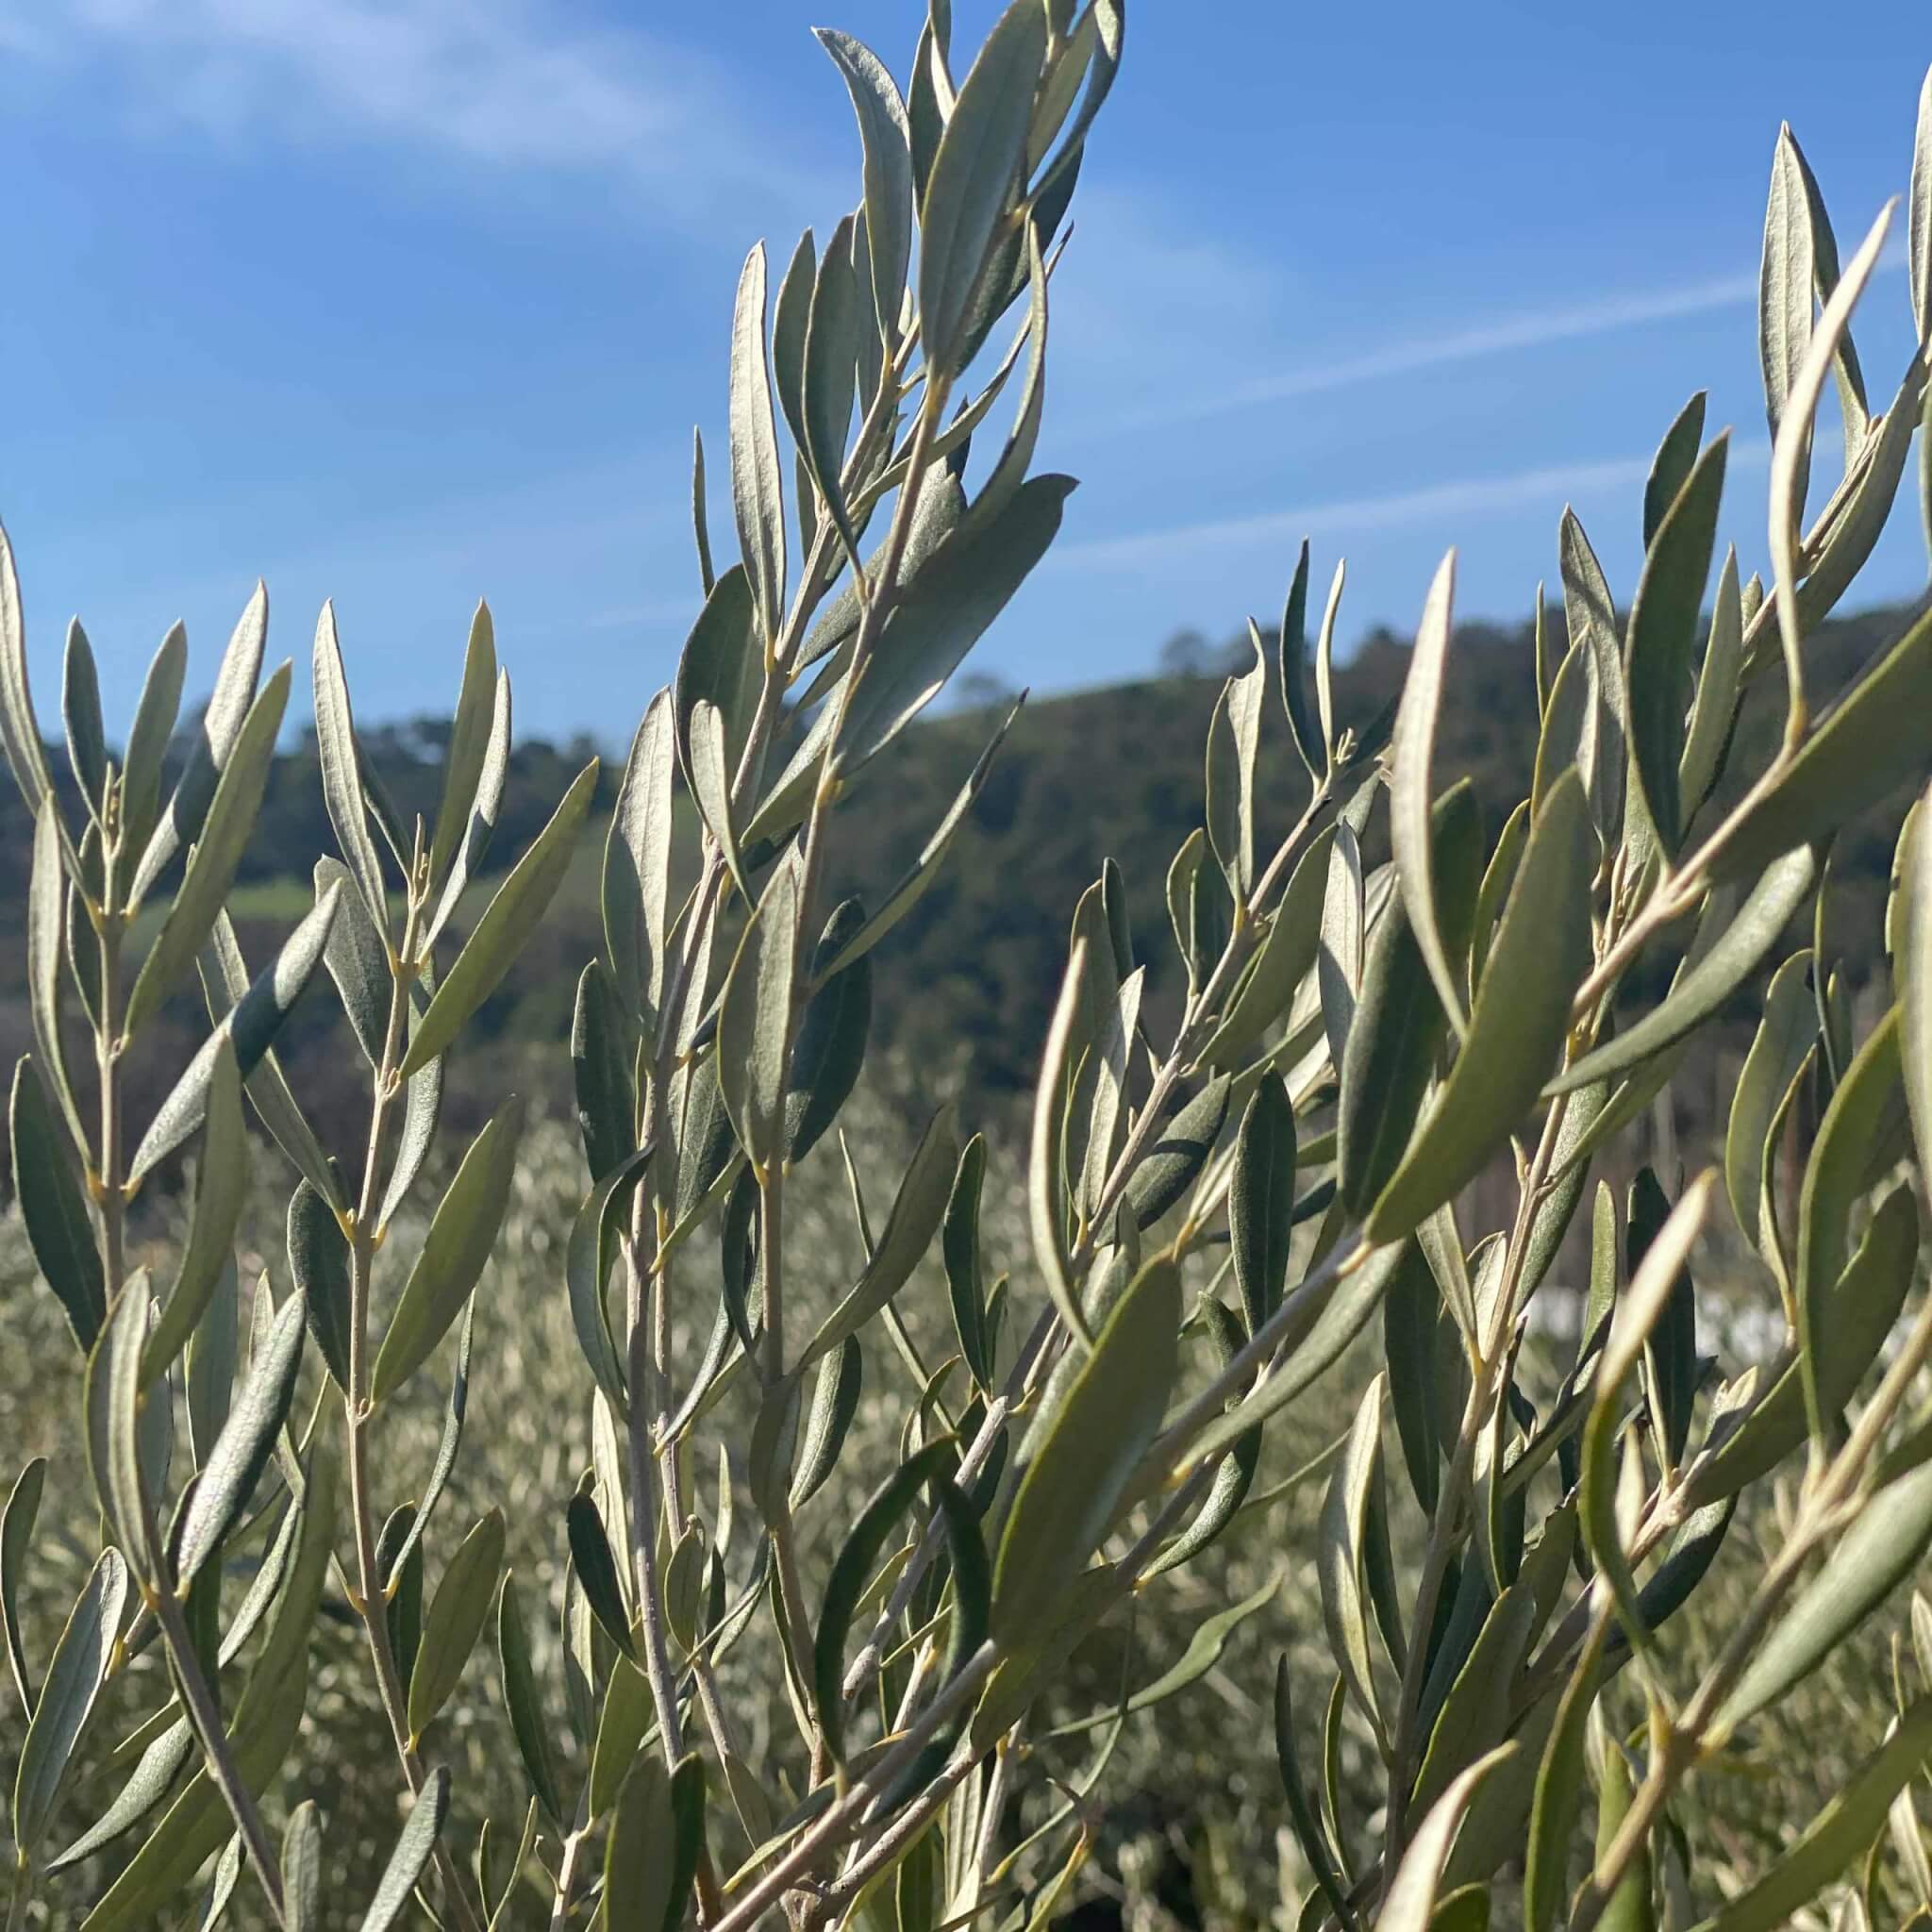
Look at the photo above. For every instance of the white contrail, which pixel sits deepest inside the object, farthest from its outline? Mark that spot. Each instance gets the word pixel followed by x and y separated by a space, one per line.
pixel 1530 329
pixel 1551 483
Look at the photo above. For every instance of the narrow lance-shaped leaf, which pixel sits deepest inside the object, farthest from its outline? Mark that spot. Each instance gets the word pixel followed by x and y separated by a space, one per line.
pixel 20 731
pixel 523 1700
pixel 480 828
pixel 1082 1466
pixel 1519 1022
pixel 58 1229
pixel 242 1452
pixel 885 138
pixel 1856 1130
pixel 1914 967
pixel 1260 1200
pixel 222 721
pixel 973 175
pixel 1413 750
pixel 216 853
pixel 74 1675
pixel 414 1848
pixel 755 1019
pixel 221 1183
pixel 637 863
pixel 341 758
pixel 756 487
pixel 457 1615
pixel 1045 1194
pixel 1790 453
pixel 1637 1313
pixel 507 923
pixel 463 1232
pixel 1663 630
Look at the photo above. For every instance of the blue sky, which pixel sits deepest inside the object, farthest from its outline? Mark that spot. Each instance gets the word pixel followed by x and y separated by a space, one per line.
pixel 410 301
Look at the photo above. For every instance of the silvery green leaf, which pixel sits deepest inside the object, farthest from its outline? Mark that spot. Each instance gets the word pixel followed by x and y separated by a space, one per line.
pixel 829 1050
pixel 414 1848
pixel 319 1265
pixel 1233 742
pixel 596 1571
pixel 601 1054
pixel 965 1278
pixel 507 923
pixel 1590 617
pixel 1338 956
pixel 213 1352
pixel 835 1402
pixel 943 613
pixel 457 1612
pixel 710 783
pixel 1110 26
pixel 242 1452
pixel 1914 969
pixel 1664 618
pixel 755 1019
pixel 221 724
pixel 699 519
pixel 463 1232
pixel 1672 466
pixel 1520 1017
pixel 302 1868
pixel 46 912
pixel 1010 469
pixel 789 317
pixel 1786 291
pixel 1786 1035
pixel 1090 1451
pixel 1179 1153
pixel 17 1522
pixel 917 1211
pixel 1281 961
pixel 1396 1038
pixel 758 491
pixel 214 856
pixel 974 174
pixel 358 961
pixel 1260 1200
pixel 80 716
pixel 74 1675
pixel 113 1399
pixel 341 757
pixel 248 1025
pixel 1410 1905
pixel 831 347
pixel 1412 749
pixel 469 742
pixel 523 1700
pixel 1837 1835
pixel 857 1561
pixel 1045 1190
pixel 1293 648
pixel 20 731
pixel 1851 1149
pixel 1919 242
pixel 885 135
pixel 1110 1059
pixel 636 864
pixel 54 1207
pixel 221 1185
pixel 720 663
pixel 1715 703
pixel 929 105
pixel 147 738
pixel 485 803
pixel 1791 453
pixel 1340 1554
pixel 1638 1313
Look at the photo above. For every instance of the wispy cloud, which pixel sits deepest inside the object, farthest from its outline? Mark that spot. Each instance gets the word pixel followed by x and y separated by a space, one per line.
pixel 1551 484
pixel 503 83
pixel 1530 328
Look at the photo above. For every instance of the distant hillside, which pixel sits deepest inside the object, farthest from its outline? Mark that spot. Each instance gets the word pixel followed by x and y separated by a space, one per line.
pixel 971 974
